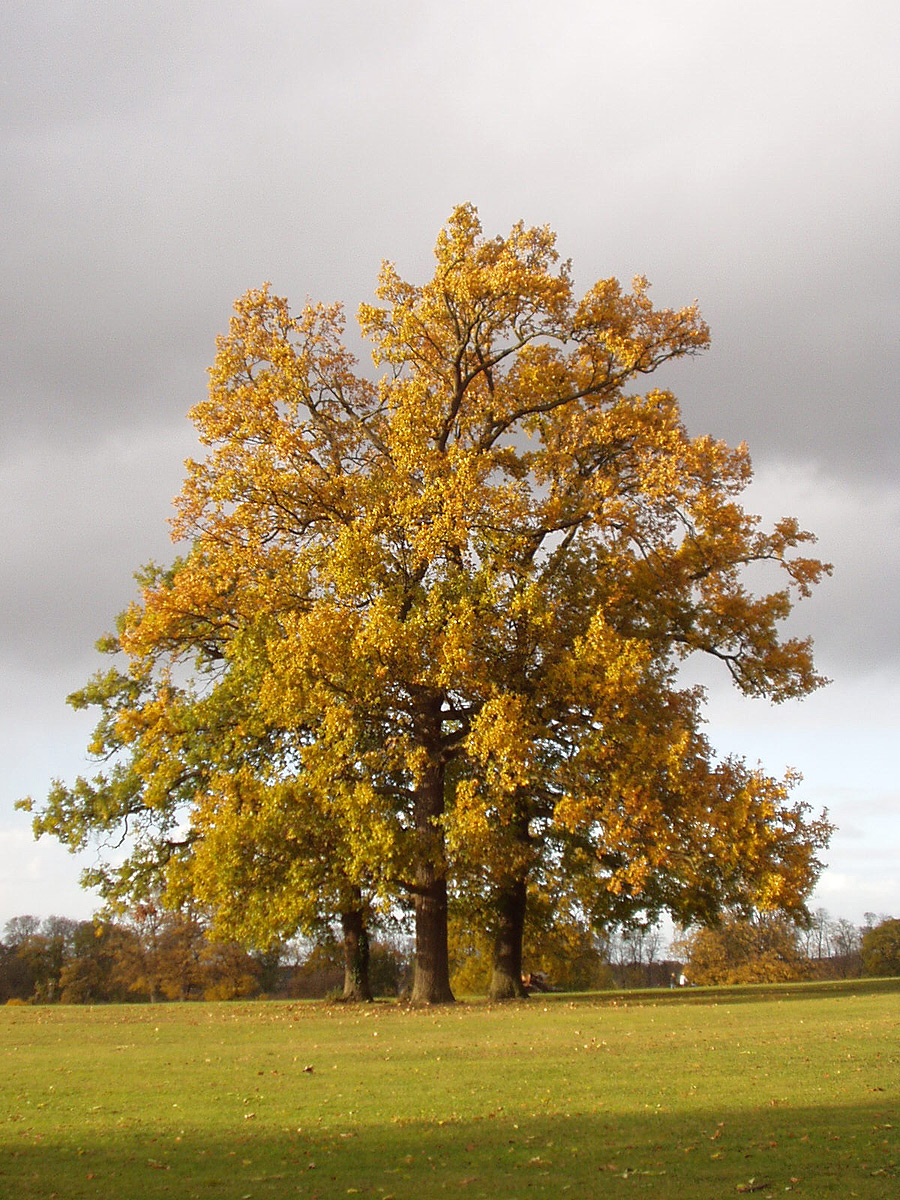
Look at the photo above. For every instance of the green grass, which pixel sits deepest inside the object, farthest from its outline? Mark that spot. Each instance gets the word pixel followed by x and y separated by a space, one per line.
pixel 694 1095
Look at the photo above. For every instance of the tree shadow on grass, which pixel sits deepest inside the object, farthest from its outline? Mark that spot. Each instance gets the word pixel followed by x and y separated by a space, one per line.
pixel 702 1155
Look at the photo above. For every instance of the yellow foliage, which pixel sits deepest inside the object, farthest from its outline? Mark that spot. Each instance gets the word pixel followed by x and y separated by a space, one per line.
pixel 429 624
pixel 744 950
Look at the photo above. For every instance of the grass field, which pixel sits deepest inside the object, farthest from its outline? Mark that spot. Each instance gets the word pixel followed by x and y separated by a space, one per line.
pixel 694 1095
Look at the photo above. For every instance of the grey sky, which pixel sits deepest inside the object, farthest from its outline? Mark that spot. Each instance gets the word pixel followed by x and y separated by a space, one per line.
pixel 160 158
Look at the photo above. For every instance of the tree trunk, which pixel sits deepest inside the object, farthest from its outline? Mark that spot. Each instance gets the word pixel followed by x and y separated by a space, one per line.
pixel 431 974
pixel 510 904
pixel 356 956
pixel 509 931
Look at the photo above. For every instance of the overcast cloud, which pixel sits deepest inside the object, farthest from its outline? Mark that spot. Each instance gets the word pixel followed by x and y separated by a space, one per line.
pixel 158 159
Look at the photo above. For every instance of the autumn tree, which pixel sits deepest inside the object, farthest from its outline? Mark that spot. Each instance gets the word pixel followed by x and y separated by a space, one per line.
pixel 167 958
pixel 39 951
pixel 21 954
pixel 745 948
pixel 881 948
pixel 427 634
pixel 93 973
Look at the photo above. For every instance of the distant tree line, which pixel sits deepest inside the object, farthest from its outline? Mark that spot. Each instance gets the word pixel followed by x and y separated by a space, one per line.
pixel 152 954
pixel 739 948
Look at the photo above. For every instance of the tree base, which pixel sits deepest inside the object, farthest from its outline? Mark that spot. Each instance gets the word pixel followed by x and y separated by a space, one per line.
pixel 506 986
pixel 427 992
pixel 356 996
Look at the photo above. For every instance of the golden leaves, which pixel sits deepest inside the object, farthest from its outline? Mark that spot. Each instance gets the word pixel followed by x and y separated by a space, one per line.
pixel 479 568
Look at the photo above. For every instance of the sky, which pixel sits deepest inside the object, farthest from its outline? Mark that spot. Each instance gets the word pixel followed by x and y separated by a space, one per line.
pixel 159 159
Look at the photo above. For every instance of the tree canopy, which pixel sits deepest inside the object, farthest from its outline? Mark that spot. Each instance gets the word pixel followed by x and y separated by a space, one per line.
pixel 425 641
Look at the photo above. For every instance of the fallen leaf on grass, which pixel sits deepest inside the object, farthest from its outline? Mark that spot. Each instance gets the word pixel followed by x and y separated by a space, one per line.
pixel 753 1186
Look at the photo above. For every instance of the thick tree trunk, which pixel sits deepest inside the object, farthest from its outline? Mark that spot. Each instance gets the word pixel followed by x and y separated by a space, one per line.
pixel 356 956
pixel 431 974
pixel 509 931
pixel 510 903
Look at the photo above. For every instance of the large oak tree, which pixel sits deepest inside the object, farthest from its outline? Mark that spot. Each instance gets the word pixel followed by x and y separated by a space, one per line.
pixel 427 634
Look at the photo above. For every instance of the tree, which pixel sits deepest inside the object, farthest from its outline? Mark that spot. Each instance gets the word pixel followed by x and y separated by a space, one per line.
pixel 94 971
pixel 632 951
pixel 764 948
pixel 881 948
pixel 817 935
pixel 19 974
pixel 846 943
pixel 229 972
pixel 36 953
pixel 427 633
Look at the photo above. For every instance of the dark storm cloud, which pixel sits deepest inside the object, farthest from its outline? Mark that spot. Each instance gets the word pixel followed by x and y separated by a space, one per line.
pixel 158 160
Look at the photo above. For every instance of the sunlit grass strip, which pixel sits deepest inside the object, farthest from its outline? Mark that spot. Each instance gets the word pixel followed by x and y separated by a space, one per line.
pixel 673 1094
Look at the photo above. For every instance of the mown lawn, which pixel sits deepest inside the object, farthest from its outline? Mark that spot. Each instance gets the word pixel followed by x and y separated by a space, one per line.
pixel 694 1095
